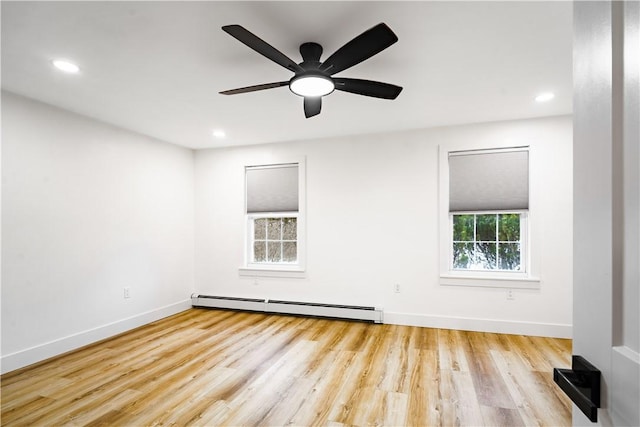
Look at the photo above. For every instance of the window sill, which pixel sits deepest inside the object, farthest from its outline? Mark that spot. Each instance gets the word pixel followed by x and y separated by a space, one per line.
pixel 490 281
pixel 273 271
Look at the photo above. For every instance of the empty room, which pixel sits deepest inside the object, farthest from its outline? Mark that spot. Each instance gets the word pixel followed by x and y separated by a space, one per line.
pixel 320 213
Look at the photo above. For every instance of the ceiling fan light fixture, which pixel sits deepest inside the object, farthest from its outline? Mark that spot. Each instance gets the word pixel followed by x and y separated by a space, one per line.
pixel 311 85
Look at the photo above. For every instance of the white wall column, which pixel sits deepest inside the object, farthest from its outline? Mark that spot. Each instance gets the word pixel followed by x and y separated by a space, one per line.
pixel 606 218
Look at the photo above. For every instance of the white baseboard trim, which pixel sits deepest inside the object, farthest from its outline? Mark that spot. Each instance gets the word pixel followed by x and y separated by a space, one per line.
pixel 480 325
pixel 29 356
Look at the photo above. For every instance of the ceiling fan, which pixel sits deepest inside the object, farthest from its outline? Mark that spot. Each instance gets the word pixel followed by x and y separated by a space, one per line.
pixel 313 79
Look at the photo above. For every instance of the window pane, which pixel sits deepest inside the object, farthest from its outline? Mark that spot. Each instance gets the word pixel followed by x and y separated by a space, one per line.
pixel 462 255
pixel 463 228
pixel 509 256
pixel 509 228
pixel 486 228
pixel 274 251
pixel 289 231
pixel 486 255
pixel 274 227
pixel 259 252
pixel 260 229
pixel 289 252
pixel 477 245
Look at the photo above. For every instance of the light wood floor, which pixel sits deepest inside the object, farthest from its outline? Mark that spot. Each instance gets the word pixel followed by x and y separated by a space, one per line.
pixel 209 367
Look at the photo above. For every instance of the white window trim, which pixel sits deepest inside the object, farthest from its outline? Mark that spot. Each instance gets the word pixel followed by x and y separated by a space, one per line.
pixel 283 270
pixel 527 279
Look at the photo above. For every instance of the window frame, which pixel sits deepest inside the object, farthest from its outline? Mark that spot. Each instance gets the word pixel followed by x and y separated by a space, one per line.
pixel 278 270
pixel 526 279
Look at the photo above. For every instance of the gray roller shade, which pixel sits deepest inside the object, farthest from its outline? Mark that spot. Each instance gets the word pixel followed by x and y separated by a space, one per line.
pixel 486 181
pixel 272 189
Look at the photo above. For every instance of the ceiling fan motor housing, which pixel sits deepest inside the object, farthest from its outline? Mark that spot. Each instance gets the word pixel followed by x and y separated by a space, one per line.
pixel 310 53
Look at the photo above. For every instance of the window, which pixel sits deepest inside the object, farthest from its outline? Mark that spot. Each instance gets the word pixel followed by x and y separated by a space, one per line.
pixel 485 209
pixel 274 239
pixel 487 241
pixel 483 187
pixel 274 218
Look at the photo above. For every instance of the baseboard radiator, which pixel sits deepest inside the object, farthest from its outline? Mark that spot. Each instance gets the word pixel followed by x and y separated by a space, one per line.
pixel 352 312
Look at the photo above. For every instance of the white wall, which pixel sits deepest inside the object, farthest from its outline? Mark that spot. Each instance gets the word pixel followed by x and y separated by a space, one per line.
pixel 372 204
pixel 88 209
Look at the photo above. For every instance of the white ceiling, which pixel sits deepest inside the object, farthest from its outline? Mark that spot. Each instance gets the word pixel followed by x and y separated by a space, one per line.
pixel 157 67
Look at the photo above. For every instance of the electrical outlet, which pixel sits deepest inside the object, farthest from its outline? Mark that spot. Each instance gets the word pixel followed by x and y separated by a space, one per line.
pixel 510 296
pixel 396 288
pixel 127 292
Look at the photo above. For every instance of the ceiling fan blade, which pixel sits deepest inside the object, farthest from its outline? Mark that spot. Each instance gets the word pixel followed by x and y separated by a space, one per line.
pixel 312 106
pixel 254 88
pixel 367 88
pixel 262 47
pixel 362 47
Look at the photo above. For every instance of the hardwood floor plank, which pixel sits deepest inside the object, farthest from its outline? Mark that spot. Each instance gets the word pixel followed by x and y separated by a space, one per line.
pixel 14 414
pixel 493 416
pixel 395 409
pixel 449 407
pixel 100 413
pixel 346 389
pixel 429 338
pixel 289 403
pixel 467 406
pixel 487 380
pixel 327 389
pixel 188 401
pixel 367 409
pixel 424 399
pixel 254 403
pixel 370 379
pixel 520 393
pixel 219 367
pixel 451 350
pixel 213 415
pixel 32 391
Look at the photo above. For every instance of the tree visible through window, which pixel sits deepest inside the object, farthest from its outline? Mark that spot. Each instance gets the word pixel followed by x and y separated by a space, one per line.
pixel 487 241
pixel 275 239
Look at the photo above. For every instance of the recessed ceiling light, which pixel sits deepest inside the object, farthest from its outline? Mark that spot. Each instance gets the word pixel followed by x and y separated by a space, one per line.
pixel 66 66
pixel 544 97
pixel 219 133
